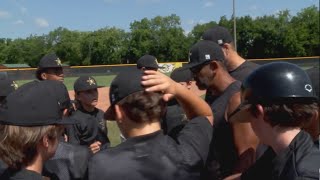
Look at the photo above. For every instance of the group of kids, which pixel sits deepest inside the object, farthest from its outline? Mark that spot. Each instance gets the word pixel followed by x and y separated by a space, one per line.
pixel 255 122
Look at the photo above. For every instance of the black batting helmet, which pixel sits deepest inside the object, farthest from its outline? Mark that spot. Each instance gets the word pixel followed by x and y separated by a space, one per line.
pixel 276 83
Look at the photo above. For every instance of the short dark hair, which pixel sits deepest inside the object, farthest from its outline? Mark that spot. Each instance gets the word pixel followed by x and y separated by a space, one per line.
pixel 143 106
pixel 288 115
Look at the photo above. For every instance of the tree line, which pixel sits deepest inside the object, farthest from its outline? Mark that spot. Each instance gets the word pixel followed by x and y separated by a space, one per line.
pixel 269 36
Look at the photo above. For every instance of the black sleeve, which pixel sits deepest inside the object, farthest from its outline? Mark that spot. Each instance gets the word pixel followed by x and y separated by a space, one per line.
pixel 194 140
pixel 69 162
pixel 97 167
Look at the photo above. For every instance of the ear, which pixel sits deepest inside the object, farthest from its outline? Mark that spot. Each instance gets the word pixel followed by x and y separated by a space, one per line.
pixel 189 83
pixel 259 112
pixel 214 66
pixel 45 141
pixel 226 48
pixel 43 76
pixel 119 113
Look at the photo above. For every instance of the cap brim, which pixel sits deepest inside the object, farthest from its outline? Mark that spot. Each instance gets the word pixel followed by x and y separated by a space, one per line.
pixel 63 121
pixel 241 114
pixel 66 121
pixel 190 65
pixel 109 114
pixel 88 88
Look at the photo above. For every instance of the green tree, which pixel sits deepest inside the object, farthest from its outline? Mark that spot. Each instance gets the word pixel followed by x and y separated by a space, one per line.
pixel 305 26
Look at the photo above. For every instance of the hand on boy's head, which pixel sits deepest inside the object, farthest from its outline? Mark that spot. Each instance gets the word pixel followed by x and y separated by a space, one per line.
pixel 155 81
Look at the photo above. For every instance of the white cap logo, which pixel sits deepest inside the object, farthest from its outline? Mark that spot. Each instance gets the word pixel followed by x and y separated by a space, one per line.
pixel 220 41
pixel 207 56
pixel 113 98
pixel 308 87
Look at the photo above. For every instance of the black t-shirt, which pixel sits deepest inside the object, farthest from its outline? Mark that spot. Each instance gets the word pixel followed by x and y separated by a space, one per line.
pixel 22 174
pixel 156 156
pixel 222 155
pixel 242 71
pixel 3 166
pixel 174 119
pixel 90 127
pixel 300 160
pixel 240 74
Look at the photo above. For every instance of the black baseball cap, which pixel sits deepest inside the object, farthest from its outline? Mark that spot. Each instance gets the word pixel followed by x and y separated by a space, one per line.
pixel 203 52
pixel 181 75
pixel 37 103
pixel 84 83
pixel 124 84
pixel 218 34
pixel 50 61
pixel 7 86
pixel 148 62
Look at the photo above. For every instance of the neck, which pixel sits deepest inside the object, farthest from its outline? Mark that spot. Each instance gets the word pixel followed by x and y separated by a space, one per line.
pixel 36 165
pixel 234 61
pixel 88 108
pixel 143 129
pixel 281 138
pixel 221 83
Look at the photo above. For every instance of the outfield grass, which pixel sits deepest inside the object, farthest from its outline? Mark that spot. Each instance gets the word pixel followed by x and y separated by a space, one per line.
pixel 69 81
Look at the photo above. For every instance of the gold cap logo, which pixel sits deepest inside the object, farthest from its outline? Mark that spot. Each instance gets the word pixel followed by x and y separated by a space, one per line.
pixel 58 61
pixel 91 81
pixel 14 85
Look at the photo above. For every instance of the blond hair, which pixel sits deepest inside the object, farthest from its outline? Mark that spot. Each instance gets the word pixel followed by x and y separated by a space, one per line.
pixel 18 144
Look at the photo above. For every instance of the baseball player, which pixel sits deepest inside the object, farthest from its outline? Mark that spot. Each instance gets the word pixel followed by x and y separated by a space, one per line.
pixel 148 62
pixel 278 100
pixel 175 118
pixel 91 128
pixel 50 68
pixel 137 103
pixel 238 67
pixel 228 152
pixel 30 126
pixel 7 86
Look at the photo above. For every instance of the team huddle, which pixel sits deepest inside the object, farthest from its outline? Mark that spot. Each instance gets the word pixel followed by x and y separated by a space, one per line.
pixel 255 121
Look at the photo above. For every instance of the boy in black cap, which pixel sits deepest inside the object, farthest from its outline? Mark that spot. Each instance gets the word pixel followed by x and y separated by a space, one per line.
pixel 30 137
pixel 148 62
pixel 91 129
pixel 6 87
pixel 175 118
pixel 228 151
pixel 278 100
pixel 50 68
pixel 137 103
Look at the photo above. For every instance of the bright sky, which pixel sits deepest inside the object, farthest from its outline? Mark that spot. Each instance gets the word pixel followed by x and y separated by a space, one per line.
pixel 21 18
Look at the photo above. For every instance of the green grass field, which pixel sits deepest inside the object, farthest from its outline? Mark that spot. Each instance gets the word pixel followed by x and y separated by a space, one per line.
pixel 69 81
